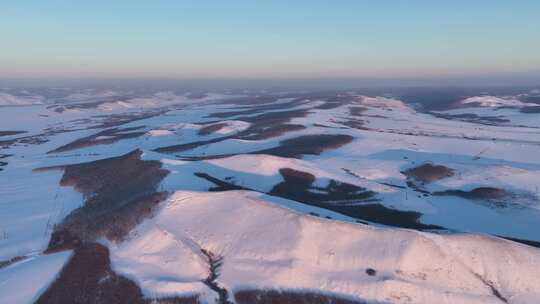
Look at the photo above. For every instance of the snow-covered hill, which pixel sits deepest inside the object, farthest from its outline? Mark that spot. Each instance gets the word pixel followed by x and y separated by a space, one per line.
pixel 264 246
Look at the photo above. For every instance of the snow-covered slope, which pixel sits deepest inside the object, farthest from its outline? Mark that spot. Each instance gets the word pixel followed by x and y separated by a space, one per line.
pixel 12 100
pixel 160 99
pixel 494 101
pixel 24 281
pixel 266 246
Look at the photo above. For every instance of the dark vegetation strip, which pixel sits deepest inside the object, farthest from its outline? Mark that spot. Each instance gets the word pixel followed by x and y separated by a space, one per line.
pixel 428 172
pixel 251 100
pixel 260 108
pixel 392 185
pixel 530 110
pixel 470 117
pixel 36 139
pixel 76 106
pixel 13 260
pixel 530 98
pixel 107 121
pixel 119 193
pixel 296 186
pixel 234 113
pixel 295 147
pixel 290 297
pixel 522 241
pixel 424 174
pixel 357 111
pixel 490 196
pixel 87 278
pixel 209 129
pixel 9 133
pixel 4 163
pixel 215 262
pixel 270 131
pixel 273 118
pixel 115 120
pixel 494 290
pixel 6 143
pixel 343 198
pixel 348 171
pixel 205 157
pixel 112 135
pixel 269 125
pixel 354 124
pixel 191 145
pixel 263 126
pixel 307 145
pixel 220 185
pixel 377 213
pixel 327 127
pixel 483 193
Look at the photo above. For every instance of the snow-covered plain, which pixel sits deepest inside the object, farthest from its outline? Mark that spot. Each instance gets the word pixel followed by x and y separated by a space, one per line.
pixel 273 242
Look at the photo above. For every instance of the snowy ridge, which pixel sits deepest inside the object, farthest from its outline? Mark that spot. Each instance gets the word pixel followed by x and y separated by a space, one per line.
pixel 494 101
pixel 89 95
pixel 24 281
pixel 160 99
pixel 266 246
pixel 12 100
pixel 383 103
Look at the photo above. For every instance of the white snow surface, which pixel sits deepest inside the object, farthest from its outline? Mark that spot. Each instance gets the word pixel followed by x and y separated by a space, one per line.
pixel 24 281
pixel 267 246
pixel 89 95
pixel 7 99
pixel 383 103
pixel 233 126
pixel 160 99
pixel 494 101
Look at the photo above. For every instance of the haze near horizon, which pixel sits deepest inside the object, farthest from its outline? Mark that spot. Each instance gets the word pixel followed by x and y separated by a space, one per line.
pixel 278 40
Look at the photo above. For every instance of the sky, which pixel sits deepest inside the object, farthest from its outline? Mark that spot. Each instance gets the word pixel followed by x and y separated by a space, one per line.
pixel 270 39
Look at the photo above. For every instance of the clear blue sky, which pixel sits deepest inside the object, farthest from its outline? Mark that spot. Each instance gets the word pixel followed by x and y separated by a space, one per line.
pixel 269 39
